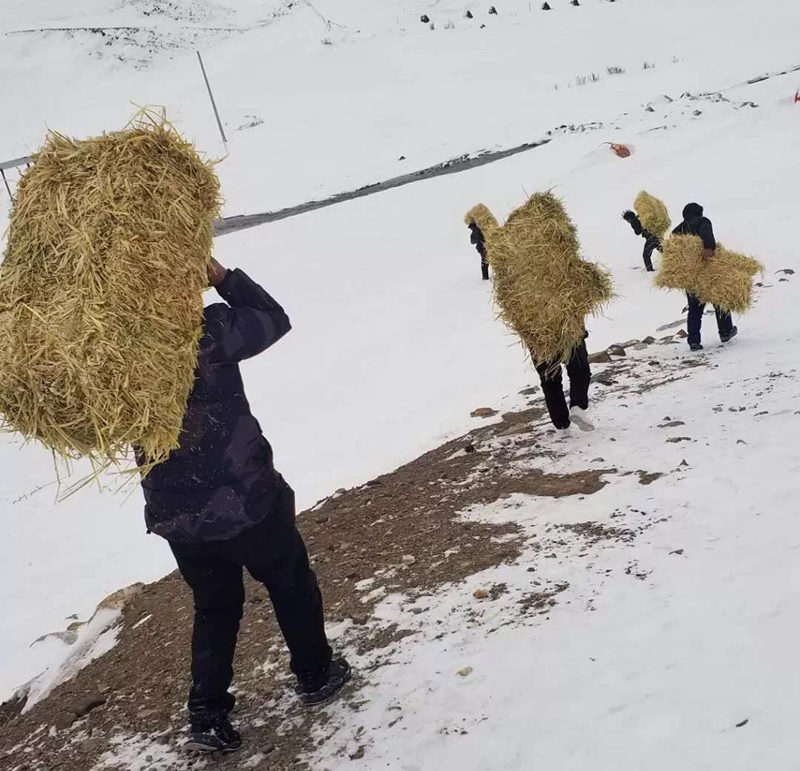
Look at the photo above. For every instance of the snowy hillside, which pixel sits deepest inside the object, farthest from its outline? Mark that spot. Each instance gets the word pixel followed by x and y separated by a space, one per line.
pixel 395 342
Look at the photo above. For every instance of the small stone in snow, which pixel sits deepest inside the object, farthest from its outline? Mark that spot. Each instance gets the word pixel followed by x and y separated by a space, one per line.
pixel 743 723
pixel 465 671
pixel 601 357
pixel 679 552
pixel 483 412
pixel 480 594
pixel 409 559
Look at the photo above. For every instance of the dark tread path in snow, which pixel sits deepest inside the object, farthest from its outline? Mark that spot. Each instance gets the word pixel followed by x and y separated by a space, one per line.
pixel 453 166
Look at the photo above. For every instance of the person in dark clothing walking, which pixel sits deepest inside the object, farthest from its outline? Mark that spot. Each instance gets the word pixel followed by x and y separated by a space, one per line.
pixel 651 242
pixel 695 224
pixel 222 506
pixel 476 238
pixel 580 376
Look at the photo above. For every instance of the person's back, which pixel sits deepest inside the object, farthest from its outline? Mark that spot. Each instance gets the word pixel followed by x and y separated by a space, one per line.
pixel 221 479
pixel 695 224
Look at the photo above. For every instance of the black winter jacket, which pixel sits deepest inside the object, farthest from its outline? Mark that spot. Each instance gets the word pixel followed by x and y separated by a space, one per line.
pixel 221 480
pixel 698 226
pixel 476 238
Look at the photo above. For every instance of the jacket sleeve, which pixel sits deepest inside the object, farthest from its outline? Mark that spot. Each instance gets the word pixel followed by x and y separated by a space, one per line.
pixel 706 233
pixel 249 324
pixel 634 222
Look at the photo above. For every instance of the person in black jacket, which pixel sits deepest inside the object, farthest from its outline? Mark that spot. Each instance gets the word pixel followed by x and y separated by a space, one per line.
pixel 222 506
pixel 476 238
pixel 651 242
pixel 695 224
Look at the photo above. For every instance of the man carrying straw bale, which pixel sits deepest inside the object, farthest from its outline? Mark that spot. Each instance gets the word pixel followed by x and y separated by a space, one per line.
pixel 695 224
pixel 222 506
pixel 544 290
pixel 105 345
pixel 651 222
pixel 477 240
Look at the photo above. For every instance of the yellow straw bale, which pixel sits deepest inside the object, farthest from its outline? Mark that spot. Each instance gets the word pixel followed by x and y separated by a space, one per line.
pixel 542 286
pixel 482 217
pixel 652 214
pixel 101 292
pixel 725 280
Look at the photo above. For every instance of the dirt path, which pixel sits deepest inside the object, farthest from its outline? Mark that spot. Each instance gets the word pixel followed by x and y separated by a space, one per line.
pixel 399 533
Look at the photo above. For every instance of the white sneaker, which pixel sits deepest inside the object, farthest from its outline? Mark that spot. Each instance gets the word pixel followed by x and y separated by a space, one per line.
pixel 577 416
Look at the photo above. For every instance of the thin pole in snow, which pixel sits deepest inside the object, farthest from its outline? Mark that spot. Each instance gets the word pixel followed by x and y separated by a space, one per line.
pixel 6 181
pixel 213 103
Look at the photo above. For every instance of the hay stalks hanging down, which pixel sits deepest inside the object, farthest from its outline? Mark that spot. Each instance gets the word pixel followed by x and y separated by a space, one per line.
pixel 542 286
pixel 101 292
pixel 725 280
pixel 652 214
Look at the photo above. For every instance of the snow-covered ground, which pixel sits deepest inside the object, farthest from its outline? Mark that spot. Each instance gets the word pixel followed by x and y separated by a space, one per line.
pixel 395 340
pixel 672 651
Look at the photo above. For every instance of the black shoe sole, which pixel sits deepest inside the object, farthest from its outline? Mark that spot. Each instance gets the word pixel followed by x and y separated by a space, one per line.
pixel 330 697
pixel 206 749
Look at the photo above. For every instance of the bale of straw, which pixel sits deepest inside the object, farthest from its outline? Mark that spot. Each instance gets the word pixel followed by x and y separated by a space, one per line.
pixel 725 280
pixel 542 286
pixel 101 292
pixel 482 217
pixel 652 213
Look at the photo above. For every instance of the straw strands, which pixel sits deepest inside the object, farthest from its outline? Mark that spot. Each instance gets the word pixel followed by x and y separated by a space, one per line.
pixel 725 280
pixel 652 214
pixel 101 292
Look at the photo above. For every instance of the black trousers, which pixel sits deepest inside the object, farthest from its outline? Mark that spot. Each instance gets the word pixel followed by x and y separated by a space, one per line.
pixel 695 320
pixel 579 375
pixel 273 553
pixel 484 269
pixel 650 245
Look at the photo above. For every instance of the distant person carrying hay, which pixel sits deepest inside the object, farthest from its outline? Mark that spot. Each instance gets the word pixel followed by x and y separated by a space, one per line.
pixel 651 222
pixel 105 345
pixel 544 290
pixel 476 238
pixel 695 224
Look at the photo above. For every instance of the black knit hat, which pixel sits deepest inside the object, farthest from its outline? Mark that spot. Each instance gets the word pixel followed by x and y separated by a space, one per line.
pixel 692 211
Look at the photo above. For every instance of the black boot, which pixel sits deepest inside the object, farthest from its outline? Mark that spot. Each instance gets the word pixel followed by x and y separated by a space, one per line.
pixel 320 687
pixel 729 335
pixel 212 733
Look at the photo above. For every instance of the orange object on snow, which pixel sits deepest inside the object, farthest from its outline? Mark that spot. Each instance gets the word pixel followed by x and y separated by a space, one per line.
pixel 623 151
